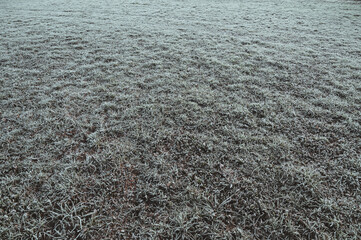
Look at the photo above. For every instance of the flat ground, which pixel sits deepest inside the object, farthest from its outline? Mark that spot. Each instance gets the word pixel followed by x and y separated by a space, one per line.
pixel 180 119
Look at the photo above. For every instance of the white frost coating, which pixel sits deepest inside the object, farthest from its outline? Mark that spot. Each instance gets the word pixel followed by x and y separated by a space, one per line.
pixel 180 119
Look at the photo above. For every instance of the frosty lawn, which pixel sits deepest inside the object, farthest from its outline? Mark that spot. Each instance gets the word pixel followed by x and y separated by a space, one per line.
pixel 180 119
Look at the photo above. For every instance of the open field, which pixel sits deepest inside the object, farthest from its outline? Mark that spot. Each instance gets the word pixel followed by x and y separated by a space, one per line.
pixel 180 119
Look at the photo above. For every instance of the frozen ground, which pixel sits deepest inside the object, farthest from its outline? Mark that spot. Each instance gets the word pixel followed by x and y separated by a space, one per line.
pixel 180 119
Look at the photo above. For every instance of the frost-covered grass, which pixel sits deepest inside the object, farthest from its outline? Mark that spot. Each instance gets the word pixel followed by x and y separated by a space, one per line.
pixel 180 119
